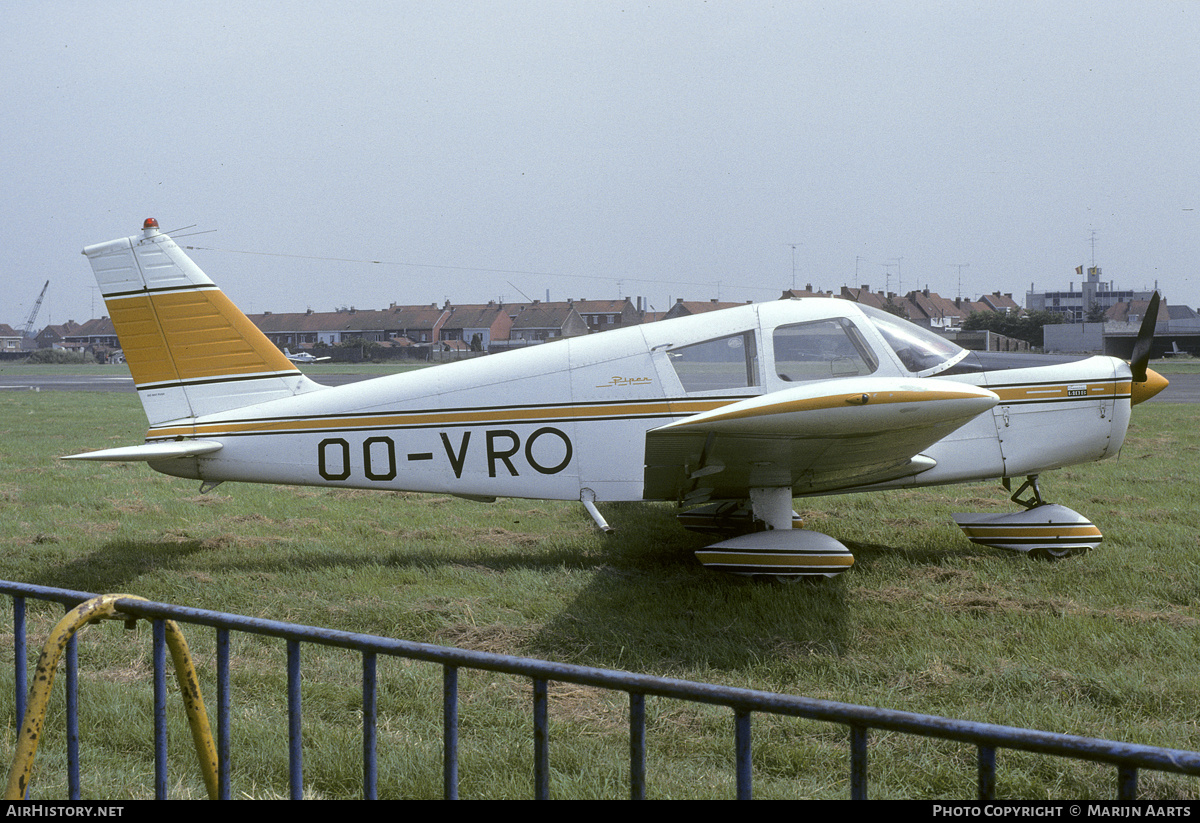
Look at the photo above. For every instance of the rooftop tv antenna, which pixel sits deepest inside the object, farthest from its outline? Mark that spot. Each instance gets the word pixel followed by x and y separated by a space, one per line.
pixel 793 245
pixel 887 277
pixel 960 267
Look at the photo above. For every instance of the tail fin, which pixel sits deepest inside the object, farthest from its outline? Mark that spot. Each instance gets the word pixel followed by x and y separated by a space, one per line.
pixel 190 350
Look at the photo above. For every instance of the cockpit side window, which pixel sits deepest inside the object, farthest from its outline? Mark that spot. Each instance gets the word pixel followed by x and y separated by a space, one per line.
pixel 821 350
pixel 724 363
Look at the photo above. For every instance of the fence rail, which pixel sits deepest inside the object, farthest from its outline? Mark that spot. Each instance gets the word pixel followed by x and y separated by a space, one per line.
pixel 1126 758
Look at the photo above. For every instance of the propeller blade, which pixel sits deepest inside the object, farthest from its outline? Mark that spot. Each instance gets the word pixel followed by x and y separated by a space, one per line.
pixel 1141 348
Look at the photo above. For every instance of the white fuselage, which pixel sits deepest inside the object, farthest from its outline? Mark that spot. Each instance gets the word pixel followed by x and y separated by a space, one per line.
pixel 573 415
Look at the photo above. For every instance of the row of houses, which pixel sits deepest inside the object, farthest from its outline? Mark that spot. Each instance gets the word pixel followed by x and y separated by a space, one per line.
pixel 448 327
pixel 496 326
pixel 470 327
pixel 924 307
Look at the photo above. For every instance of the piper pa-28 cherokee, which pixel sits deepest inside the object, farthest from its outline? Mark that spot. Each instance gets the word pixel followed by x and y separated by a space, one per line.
pixel 303 357
pixel 730 414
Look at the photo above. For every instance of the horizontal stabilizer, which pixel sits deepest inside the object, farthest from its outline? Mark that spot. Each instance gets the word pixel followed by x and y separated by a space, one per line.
pixel 151 451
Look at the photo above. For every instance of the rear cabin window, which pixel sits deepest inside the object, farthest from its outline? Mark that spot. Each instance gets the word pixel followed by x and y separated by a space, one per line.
pixel 820 350
pixel 725 363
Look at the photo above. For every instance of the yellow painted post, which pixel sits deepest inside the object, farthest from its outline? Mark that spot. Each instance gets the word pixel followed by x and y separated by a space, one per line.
pixel 99 608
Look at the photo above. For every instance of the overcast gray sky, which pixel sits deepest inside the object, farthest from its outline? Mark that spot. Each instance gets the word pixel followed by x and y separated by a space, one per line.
pixel 599 149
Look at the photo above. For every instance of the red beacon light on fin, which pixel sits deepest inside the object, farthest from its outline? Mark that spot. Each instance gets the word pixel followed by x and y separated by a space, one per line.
pixel 150 223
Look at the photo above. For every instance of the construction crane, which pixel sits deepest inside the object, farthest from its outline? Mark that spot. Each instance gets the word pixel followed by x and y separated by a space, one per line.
pixel 33 314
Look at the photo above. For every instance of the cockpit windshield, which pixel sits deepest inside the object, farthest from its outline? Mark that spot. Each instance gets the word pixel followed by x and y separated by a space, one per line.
pixel 921 351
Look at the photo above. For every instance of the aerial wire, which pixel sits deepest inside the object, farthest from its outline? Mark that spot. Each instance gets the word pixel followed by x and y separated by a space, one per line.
pixel 363 261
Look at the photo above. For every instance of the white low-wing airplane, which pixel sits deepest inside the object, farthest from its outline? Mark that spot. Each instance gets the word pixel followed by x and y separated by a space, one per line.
pixel 303 357
pixel 730 414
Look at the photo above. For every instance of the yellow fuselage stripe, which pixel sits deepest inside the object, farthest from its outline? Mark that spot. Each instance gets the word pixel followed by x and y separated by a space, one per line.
pixel 1060 391
pixel 440 418
pixel 657 408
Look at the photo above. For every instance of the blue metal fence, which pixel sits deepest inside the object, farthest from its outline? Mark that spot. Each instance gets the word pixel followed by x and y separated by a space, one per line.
pixel 1127 759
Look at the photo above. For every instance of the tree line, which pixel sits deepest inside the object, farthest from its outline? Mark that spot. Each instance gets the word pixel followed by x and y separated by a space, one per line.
pixel 1025 326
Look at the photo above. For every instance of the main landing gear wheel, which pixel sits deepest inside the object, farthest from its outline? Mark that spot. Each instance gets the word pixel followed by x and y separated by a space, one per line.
pixel 1051 554
pixel 786 579
pixel 780 552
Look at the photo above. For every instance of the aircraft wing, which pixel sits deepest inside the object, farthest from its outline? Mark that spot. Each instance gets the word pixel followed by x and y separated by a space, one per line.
pixel 817 437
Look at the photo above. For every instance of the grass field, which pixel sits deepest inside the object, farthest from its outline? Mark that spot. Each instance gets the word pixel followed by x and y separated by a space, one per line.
pixel 1105 645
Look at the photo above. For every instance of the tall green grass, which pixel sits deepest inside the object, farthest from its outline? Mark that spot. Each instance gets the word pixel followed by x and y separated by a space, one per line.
pixel 1105 645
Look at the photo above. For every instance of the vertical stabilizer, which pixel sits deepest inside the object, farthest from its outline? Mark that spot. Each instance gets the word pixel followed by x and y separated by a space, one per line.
pixel 190 350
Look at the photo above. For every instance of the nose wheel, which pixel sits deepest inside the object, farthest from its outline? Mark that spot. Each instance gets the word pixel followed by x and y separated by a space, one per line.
pixel 1045 531
pixel 1052 554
